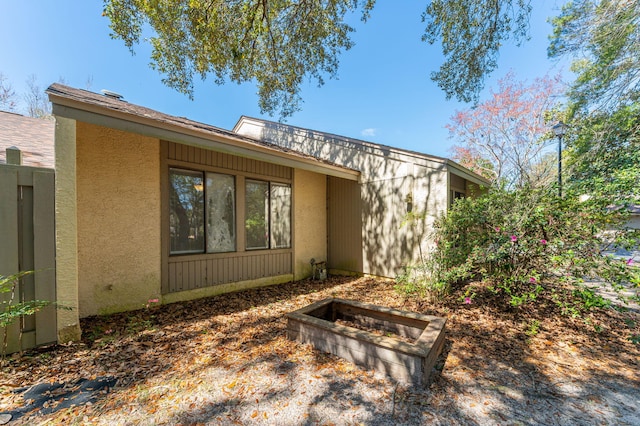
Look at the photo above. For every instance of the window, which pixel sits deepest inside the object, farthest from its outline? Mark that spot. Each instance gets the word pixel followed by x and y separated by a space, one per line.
pixel 187 212
pixel 280 215
pixel 257 214
pixel 458 195
pixel 202 213
pixel 221 213
pixel 268 215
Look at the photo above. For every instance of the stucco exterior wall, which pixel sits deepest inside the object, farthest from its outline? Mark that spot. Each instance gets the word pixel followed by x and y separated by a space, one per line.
pixel 118 212
pixel 430 195
pixel 391 183
pixel 68 324
pixel 310 221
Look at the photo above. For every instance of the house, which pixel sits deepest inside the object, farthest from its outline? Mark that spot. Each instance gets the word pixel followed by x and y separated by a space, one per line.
pixel 368 230
pixel 153 206
pixel 32 136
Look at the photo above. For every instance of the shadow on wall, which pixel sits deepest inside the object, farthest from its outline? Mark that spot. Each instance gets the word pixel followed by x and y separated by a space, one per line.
pixel 392 184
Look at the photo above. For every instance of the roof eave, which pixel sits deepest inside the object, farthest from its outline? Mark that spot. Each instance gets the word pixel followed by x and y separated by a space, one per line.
pixel 95 114
pixel 469 175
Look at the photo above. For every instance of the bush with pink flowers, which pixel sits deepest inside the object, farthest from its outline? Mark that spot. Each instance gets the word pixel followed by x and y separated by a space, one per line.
pixel 524 242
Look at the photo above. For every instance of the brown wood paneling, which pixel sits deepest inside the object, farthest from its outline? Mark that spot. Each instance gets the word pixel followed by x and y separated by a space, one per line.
pixel 182 273
pixel 344 225
pixel 199 156
pixel 198 271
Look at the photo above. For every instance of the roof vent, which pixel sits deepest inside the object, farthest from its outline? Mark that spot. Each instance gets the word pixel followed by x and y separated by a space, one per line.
pixel 112 95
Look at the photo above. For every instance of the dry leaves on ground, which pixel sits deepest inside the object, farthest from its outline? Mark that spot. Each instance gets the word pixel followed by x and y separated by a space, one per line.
pixel 226 360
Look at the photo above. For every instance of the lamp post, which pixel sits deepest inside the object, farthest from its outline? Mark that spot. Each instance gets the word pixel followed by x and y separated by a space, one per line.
pixel 560 130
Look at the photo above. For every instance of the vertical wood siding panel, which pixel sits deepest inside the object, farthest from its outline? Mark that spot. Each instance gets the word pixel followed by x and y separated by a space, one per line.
pixel 268 262
pixel 190 156
pixel 214 272
pixel 245 268
pixel 188 284
pixel 179 277
pixel 179 150
pixel 184 282
pixel 198 267
pixel 171 281
pixel 197 155
pixel 344 219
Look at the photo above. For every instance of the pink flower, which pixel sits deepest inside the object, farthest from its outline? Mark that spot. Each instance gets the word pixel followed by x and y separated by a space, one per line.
pixel 108 331
pixel 630 262
pixel 514 238
pixel 153 300
pixel 532 279
pixel 497 228
pixel 467 300
pixel 543 242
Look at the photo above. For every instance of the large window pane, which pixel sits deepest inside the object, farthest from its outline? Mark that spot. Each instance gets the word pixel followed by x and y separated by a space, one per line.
pixel 280 216
pixel 186 215
pixel 257 214
pixel 221 213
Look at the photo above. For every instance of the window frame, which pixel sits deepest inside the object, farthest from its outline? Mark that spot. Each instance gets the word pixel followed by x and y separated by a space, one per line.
pixel 192 173
pixel 269 223
pixel 239 179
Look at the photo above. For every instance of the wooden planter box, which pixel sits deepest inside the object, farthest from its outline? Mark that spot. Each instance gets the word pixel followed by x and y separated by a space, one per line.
pixel 409 363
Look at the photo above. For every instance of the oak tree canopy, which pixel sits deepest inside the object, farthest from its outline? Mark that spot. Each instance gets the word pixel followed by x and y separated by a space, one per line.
pixel 279 43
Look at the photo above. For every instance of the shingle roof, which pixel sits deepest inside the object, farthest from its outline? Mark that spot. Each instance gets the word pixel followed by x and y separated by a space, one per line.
pixel 33 136
pixel 91 99
pixel 362 145
pixel 347 139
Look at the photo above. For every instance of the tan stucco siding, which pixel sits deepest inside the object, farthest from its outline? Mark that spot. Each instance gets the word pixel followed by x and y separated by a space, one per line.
pixel 118 199
pixel 68 325
pixel 431 199
pixel 310 220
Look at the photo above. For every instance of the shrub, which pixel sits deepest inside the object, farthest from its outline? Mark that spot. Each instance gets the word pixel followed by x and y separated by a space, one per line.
pixel 12 308
pixel 524 240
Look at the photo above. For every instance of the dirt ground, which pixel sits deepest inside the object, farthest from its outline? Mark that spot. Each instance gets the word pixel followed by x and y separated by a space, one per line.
pixel 226 360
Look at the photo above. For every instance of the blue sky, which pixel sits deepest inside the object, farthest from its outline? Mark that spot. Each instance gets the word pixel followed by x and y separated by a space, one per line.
pixel 383 93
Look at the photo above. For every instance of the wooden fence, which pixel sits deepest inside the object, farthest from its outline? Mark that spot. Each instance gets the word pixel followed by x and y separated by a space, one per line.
pixel 27 243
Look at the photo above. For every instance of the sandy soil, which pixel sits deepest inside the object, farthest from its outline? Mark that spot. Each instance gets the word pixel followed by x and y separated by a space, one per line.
pixel 226 360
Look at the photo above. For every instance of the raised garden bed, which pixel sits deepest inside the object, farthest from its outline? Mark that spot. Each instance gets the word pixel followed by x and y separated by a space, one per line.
pixel 403 345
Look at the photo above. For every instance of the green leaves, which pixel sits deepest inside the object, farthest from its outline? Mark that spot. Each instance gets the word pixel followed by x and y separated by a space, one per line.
pixel 276 44
pixel 602 36
pixel 603 154
pixel 472 33
pixel 11 308
pixel 524 242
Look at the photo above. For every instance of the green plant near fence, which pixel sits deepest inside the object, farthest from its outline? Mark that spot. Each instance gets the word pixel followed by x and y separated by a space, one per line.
pixel 11 308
